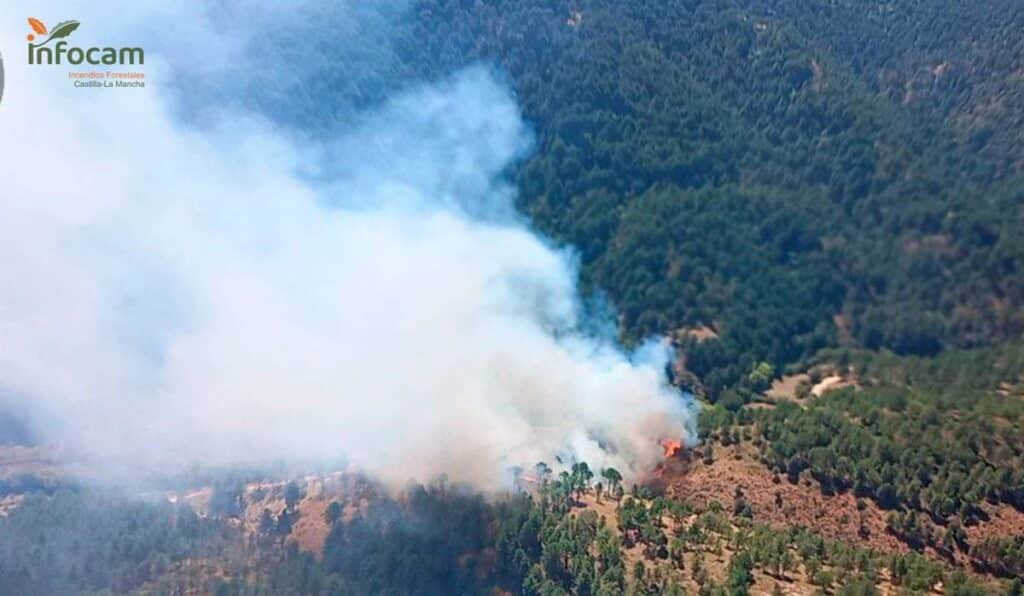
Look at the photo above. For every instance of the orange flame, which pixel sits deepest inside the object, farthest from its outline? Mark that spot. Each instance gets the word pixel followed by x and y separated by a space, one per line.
pixel 671 447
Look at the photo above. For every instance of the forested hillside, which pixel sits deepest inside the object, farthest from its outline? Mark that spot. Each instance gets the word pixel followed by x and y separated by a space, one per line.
pixel 577 533
pixel 820 203
pixel 762 167
pixel 793 176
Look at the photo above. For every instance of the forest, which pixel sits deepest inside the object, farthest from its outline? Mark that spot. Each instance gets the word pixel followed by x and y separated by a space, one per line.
pixel 443 539
pixel 780 188
pixel 793 177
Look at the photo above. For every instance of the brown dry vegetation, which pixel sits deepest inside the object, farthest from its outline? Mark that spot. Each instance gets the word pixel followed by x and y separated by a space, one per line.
pixel 310 529
pixel 719 550
pixel 1003 521
pixel 786 387
pixel 47 462
pixel 779 503
pixel 775 500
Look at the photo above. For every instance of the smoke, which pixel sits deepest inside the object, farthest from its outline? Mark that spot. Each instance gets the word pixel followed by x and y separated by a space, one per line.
pixel 190 279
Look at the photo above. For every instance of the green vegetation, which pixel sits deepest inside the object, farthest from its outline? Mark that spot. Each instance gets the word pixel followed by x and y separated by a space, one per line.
pixel 835 184
pixel 549 544
pixel 932 440
pixel 87 543
pixel 757 167
pixel 762 167
pixel 1004 556
pixel 443 539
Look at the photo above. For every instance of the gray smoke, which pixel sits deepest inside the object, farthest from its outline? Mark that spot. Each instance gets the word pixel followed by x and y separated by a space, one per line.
pixel 222 294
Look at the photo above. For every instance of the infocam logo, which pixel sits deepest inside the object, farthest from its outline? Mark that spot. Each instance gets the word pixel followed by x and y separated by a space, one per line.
pixel 60 52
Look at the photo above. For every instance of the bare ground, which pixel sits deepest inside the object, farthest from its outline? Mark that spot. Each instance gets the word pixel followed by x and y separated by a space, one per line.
pixel 776 501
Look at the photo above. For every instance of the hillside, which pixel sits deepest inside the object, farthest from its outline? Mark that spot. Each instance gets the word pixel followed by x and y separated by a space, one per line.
pixel 818 205
pixel 792 177
pixel 705 524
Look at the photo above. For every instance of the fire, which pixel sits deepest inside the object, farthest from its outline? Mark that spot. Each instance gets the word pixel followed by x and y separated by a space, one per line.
pixel 671 447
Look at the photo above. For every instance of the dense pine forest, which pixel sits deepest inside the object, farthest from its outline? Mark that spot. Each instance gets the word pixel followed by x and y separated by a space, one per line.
pixel 787 190
pixel 770 170
pixel 793 177
pixel 578 533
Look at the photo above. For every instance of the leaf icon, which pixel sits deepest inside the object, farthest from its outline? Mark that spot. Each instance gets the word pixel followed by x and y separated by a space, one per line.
pixel 37 25
pixel 63 29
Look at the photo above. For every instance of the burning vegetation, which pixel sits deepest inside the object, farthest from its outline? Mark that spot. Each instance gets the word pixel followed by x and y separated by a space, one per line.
pixel 672 447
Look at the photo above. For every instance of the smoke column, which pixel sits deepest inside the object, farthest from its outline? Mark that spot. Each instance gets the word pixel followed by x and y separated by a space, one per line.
pixel 188 278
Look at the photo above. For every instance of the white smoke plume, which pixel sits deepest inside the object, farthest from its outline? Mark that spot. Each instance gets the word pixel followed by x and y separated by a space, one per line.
pixel 175 294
